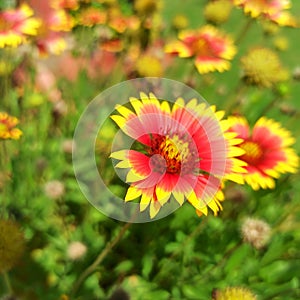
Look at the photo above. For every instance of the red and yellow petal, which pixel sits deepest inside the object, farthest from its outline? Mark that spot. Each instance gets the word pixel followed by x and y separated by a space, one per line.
pixel 206 64
pixel 178 48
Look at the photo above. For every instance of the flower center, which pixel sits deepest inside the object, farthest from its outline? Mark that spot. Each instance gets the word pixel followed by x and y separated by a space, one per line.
pixel 171 153
pixel 253 152
pixel 201 47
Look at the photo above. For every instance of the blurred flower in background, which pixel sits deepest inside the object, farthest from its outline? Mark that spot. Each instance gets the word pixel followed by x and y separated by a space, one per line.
pixel 217 12
pixel 211 48
pixel 16 25
pixel 185 153
pixel 92 16
pixel 274 10
pixel 54 189
pixel 234 293
pixel 262 67
pixel 76 250
pixel 268 151
pixel 7 127
pixel 256 232
pixel 51 37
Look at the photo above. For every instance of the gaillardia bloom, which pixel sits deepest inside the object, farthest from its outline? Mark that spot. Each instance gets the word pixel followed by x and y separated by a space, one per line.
pixel 16 25
pixel 211 48
pixel 185 153
pixel 267 151
pixel 234 293
pixel 7 127
pixel 262 67
pixel 274 10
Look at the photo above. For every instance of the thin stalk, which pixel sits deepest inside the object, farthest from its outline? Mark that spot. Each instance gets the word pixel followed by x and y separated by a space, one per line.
pixel 241 35
pixel 7 283
pixel 91 269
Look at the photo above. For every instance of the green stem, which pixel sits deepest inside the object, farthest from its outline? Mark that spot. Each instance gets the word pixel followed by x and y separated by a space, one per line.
pixel 91 269
pixel 234 98
pixel 7 283
pixel 241 35
pixel 194 233
pixel 269 106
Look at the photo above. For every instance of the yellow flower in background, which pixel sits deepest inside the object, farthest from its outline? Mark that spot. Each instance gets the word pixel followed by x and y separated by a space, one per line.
pixel 180 22
pixel 269 28
pixel 92 16
pixel 185 153
pixel 147 7
pixel 268 151
pixel 234 293
pixel 281 43
pixel 7 127
pixel 211 48
pixel 217 12
pixel 6 67
pixel 262 67
pixel 273 10
pixel 149 66
pixel 16 25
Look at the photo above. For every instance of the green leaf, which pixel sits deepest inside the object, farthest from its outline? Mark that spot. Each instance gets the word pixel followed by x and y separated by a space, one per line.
pixel 236 260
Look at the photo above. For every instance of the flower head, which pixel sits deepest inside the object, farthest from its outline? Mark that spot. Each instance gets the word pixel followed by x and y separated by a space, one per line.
pixel 212 49
pixel 273 10
pixel 7 127
pixel 76 250
pixel 147 7
pixel 218 11
pixel 281 43
pixel 16 25
pixel 180 22
pixel 55 23
pixel 234 293
pixel 185 153
pixel 267 151
pixel 256 232
pixel 54 189
pixel 149 66
pixel 12 244
pixel 92 16
pixel 262 67
pixel 65 4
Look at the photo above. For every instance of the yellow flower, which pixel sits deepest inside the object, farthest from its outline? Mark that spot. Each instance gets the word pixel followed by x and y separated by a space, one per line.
pixel 147 7
pixel 262 67
pixel 149 66
pixel 5 67
pixel 281 43
pixel 7 127
pixel 217 12
pixel 234 293
pixel 270 28
pixel 12 244
pixel 16 24
pixel 180 22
